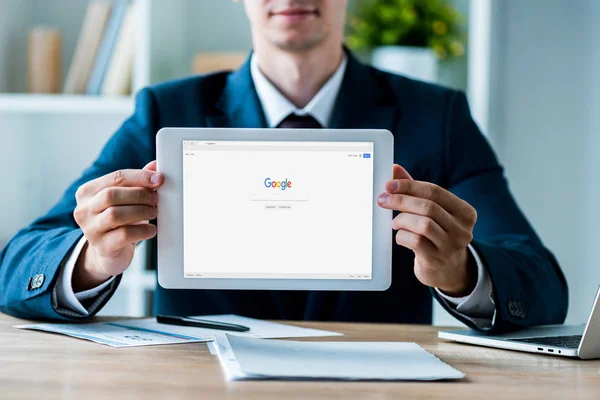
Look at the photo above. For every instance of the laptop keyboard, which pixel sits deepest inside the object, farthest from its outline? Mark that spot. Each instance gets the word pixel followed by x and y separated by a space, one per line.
pixel 570 342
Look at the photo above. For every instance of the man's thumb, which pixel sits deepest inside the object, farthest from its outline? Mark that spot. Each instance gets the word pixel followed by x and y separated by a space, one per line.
pixel 151 166
pixel 401 173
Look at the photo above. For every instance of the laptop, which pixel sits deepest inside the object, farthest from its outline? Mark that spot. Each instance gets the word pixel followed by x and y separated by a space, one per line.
pixel 582 341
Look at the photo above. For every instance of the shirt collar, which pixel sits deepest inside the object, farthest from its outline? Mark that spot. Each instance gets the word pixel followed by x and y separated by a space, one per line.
pixel 277 107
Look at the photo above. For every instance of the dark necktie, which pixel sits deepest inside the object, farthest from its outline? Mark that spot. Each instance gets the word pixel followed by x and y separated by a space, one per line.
pixel 294 121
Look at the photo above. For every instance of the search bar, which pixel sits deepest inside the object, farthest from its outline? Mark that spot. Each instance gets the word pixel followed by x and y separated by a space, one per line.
pixel 278 197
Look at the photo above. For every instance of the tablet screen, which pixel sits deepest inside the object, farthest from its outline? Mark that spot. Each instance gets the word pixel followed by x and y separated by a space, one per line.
pixel 277 210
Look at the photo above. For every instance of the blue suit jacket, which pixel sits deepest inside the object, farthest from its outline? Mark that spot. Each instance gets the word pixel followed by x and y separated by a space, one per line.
pixel 436 140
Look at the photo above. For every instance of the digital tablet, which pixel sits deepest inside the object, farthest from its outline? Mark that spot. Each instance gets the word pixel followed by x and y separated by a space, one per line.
pixel 274 209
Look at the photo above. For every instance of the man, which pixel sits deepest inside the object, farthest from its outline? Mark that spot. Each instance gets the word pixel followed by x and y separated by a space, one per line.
pixel 459 231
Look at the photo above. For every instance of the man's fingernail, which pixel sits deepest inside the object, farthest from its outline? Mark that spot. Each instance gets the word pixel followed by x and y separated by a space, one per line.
pixel 393 186
pixel 383 199
pixel 155 178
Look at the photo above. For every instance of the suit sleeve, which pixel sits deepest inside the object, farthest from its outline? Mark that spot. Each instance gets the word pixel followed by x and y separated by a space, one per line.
pixel 42 248
pixel 529 287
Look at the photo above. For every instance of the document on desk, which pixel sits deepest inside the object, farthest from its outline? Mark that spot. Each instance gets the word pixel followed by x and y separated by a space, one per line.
pixel 122 333
pixel 260 329
pixel 245 358
pixel 148 332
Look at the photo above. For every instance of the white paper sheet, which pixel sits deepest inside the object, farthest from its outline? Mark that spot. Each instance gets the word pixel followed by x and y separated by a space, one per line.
pixel 212 347
pixel 231 368
pixel 262 329
pixel 121 334
pixel 245 358
pixel 147 331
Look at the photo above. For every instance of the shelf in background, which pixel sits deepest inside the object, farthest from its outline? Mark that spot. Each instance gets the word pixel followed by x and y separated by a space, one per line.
pixel 64 104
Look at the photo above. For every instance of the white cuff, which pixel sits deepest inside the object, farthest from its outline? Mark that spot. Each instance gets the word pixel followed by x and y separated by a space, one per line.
pixel 66 297
pixel 480 303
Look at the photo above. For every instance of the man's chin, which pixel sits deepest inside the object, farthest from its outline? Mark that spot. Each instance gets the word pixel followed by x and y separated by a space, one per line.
pixel 297 44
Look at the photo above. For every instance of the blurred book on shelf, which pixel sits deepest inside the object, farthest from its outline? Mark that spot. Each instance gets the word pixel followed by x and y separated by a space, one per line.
pixel 206 63
pixel 103 59
pixel 107 47
pixel 89 41
pixel 44 60
pixel 117 80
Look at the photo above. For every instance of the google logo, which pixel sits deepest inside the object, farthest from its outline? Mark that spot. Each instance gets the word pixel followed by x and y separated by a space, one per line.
pixel 278 184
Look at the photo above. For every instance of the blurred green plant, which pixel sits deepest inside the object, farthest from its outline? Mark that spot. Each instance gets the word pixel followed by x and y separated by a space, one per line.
pixel 418 23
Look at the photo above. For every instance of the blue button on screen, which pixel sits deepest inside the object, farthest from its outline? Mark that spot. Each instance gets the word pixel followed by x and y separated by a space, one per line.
pixel 367 155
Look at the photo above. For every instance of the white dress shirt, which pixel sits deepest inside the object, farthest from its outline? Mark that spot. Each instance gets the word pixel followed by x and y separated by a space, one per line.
pixel 477 307
pixel 65 294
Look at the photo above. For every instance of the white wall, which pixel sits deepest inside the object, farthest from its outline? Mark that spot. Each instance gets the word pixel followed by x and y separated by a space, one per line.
pixel 591 231
pixel 40 157
pixel 13 193
pixel 13 15
pixel 546 128
pixel 17 17
pixel 183 28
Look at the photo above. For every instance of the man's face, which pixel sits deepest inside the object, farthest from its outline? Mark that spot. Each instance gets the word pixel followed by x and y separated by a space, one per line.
pixel 296 25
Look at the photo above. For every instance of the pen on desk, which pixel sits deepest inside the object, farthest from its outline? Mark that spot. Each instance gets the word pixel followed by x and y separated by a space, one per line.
pixel 200 323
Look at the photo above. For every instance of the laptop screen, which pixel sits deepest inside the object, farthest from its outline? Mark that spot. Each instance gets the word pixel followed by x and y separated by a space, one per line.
pixel 279 210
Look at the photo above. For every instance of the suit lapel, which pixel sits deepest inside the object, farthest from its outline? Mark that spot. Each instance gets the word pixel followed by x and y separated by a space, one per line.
pixel 363 101
pixel 239 106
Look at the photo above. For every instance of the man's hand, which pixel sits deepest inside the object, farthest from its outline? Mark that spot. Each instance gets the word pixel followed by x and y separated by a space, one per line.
pixel 113 212
pixel 438 227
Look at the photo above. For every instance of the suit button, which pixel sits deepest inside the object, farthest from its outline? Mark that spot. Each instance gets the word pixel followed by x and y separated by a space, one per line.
pixel 516 309
pixel 37 281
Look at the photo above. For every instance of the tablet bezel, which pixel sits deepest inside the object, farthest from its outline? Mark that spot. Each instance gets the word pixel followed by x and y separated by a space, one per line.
pixel 169 152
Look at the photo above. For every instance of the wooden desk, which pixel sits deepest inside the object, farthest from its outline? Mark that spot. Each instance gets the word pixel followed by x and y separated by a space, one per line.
pixel 42 365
